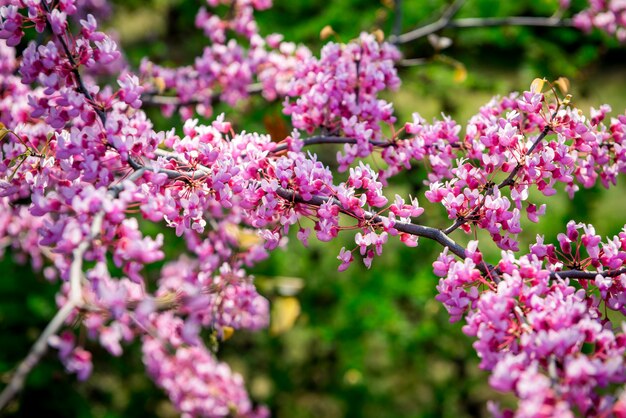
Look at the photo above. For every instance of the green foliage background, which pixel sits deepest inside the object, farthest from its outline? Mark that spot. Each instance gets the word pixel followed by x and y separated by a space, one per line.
pixel 368 343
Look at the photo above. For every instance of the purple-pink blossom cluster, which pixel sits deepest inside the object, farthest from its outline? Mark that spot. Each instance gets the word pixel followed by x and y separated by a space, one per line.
pixel 197 383
pixel 543 338
pixel 67 147
pixel 241 19
pixel 227 69
pixel 338 93
pixel 606 15
pixel 608 256
pixel 520 143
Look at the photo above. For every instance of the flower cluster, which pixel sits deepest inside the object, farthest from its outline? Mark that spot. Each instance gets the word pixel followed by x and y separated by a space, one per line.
pixel 226 69
pixel 82 170
pixel 195 381
pixel 241 21
pixel 67 147
pixel 543 338
pixel 606 15
pixel 338 93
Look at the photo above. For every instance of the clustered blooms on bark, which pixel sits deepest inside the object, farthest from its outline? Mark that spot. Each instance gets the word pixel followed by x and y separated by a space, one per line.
pixel 82 170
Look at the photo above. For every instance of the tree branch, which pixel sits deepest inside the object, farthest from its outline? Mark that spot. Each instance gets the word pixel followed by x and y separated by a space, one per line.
pixel 36 352
pixel 482 22
pixel 75 300
pixel 409 228
pixel 582 275
pixel 508 181
pixel 441 238
pixel 397 19
pixel 433 27
pixel 532 21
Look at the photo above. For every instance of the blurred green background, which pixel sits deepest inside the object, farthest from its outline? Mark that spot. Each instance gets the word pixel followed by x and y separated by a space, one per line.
pixel 367 343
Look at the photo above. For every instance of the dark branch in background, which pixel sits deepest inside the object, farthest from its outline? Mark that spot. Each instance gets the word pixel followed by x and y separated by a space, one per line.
pixel 433 27
pixel 412 62
pixel 397 20
pixel 446 22
pixel 483 22
pixel 155 99
pixel 34 355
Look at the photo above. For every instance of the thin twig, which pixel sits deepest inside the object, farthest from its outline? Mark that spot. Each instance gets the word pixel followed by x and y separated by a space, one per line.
pixel 434 234
pixel 396 31
pixel 36 352
pixel 75 300
pixel 413 62
pixel 80 85
pixel 532 21
pixel 433 27
pixel 511 177
pixel 483 22
pixel 508 181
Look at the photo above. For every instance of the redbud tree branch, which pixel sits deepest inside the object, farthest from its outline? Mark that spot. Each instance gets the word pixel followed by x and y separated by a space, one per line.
pixel 74 300
pixel 396 30
pixel 435 234
pixel 75 297
pixel 433 27
pixel 585 275
pixel 408 228
pixel 439 236
pixel 507 182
